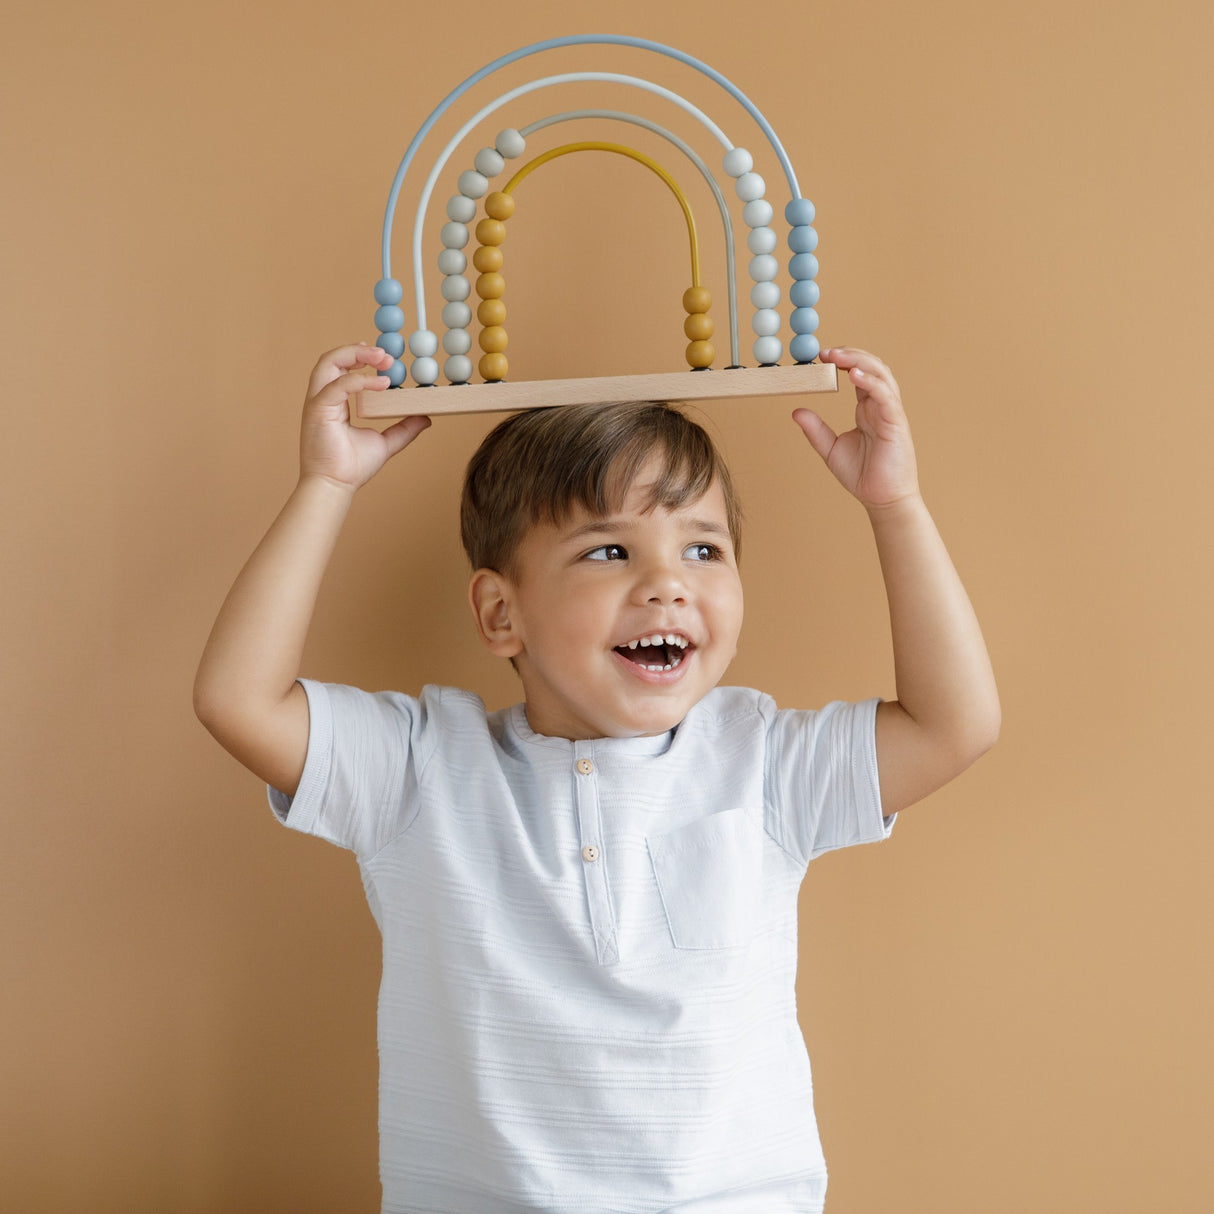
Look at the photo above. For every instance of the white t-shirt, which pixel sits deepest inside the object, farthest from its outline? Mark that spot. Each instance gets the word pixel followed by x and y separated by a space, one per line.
pixel 590 947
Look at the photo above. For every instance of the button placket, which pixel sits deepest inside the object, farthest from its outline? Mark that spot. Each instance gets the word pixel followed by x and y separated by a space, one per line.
pixel 594 869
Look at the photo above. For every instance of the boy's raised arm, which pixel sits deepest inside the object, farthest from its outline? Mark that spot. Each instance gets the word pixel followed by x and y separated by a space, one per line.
pixel 245 691
pixel 947 711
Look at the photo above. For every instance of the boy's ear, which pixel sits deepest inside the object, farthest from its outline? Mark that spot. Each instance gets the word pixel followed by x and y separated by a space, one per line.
pixel 489 595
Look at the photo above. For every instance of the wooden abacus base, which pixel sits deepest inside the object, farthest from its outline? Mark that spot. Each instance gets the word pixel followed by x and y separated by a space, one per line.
pixel 509 397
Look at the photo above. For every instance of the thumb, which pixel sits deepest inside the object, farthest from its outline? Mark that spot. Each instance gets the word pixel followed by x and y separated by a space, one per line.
pixel 821 436
pixel 399 435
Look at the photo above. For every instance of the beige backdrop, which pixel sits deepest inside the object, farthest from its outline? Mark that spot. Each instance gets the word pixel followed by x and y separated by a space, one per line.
pixel 1009 1005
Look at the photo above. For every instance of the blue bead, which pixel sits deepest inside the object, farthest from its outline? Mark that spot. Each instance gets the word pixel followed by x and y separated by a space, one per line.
pixel 389 318
pixel 397 372
pixel 388 291
pixel 802 239
pixel 804 293
pixel 803 348
pixel 803 265
pixel 798 212
pixel 803 320
pixel 394 343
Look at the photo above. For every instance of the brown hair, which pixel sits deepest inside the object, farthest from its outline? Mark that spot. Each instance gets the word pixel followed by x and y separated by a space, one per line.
pixel 539 465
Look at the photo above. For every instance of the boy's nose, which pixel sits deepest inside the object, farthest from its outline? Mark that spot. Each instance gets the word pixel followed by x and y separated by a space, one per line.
pixel 661 584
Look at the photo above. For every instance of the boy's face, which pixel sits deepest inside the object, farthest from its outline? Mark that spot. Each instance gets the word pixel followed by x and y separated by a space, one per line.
pixel 586 594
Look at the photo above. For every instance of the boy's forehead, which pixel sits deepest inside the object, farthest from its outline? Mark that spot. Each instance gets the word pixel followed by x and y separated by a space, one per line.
pixel 640 507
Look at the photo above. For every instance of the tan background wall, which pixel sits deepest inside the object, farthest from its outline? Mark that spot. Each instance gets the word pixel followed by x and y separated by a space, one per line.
pixel 1009 1006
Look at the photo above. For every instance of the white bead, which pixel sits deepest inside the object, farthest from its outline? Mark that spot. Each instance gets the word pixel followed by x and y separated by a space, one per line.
pixel 767 350
pixel 765 294
pixel 452 261
pixel 422 343
pixel 457 341
pixel 766 322
pixel 750 186
pixel 473 184
pixel 424 371
pixel 455 287
pixel 737 161
pixel 764 268
pixel 461 209
pixel 762 240
pixel 457 315
pixel 489 162
pixel 454 235
pixel 756 213
pixel 510 143
pixel 458 369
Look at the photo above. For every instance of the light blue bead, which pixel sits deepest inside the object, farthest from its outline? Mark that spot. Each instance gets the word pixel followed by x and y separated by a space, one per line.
pixel 457 315
pixel 767 351
pixel 749 187
pixel 757 213
pixel 800 211
pixel 804 293
pixel 425 371
pixel 762 240
pixel 766 322
pixel 803 265
pixel 765 294
pixel 803 239
pixel 397 373
pixel 803 348
pixel 803 320
pixel 394 343
pixel 389 318
pixel 423 344
pixel 763 268
pixel 388 291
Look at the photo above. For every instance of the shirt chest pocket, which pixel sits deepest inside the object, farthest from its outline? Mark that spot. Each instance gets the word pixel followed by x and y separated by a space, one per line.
pixel 709 876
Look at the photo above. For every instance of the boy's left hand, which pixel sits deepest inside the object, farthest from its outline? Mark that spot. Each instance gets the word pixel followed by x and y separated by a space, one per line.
pixel 875 462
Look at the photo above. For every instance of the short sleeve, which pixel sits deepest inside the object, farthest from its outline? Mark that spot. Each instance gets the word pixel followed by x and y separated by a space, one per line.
pixel 359 785
pixel 822 788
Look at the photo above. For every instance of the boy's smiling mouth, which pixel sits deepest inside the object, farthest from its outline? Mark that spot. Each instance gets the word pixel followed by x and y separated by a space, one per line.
pixel 657 652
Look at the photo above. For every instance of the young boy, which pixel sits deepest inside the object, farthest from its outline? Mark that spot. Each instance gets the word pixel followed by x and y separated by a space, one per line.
pixel 589 901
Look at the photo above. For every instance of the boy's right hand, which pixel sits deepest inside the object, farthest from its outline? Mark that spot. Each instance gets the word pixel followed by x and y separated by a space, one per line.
pixel 329 445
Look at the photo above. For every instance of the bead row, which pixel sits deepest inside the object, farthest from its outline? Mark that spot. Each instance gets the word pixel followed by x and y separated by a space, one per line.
pixel 699 327
pixel 491 286
pixel 803 268
pixel 761 241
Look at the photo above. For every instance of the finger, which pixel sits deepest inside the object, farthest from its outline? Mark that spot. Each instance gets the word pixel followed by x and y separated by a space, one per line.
pixel 335 391
pixel 333 362
pixel 821 437
pixel 847 357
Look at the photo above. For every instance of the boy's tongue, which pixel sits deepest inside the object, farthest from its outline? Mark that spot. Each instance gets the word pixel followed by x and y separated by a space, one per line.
pixel 646 655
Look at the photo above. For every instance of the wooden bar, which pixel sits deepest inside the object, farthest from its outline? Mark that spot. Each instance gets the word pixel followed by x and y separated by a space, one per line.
pixel 508 397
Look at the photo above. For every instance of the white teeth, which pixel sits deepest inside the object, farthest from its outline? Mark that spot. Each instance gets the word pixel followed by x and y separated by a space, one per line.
pixel 659 639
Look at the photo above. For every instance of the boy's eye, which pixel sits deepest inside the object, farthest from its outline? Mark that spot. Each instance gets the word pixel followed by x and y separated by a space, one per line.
pixel 608 552
pixel 702 552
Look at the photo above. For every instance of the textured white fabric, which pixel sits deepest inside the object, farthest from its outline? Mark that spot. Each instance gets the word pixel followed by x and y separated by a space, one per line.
pixel 589 947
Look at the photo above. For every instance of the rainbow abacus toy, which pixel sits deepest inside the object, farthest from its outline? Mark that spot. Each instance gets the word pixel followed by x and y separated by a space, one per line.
pixel 496 393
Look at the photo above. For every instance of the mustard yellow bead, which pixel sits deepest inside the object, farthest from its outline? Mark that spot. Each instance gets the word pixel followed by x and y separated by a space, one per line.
pixel 491 312
pixel 488 258
pixel 699 327
pixel 493 340
pixel 490 231
pixel 695 299
pixel 491 286
pixel 493 367
pixel 499 205
pixel 700 354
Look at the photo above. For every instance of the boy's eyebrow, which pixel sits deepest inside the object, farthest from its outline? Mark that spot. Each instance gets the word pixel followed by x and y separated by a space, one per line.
pixel 603 525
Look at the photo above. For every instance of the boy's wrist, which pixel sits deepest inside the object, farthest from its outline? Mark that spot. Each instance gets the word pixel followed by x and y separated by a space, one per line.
pixel 901 509
pixel 319 485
